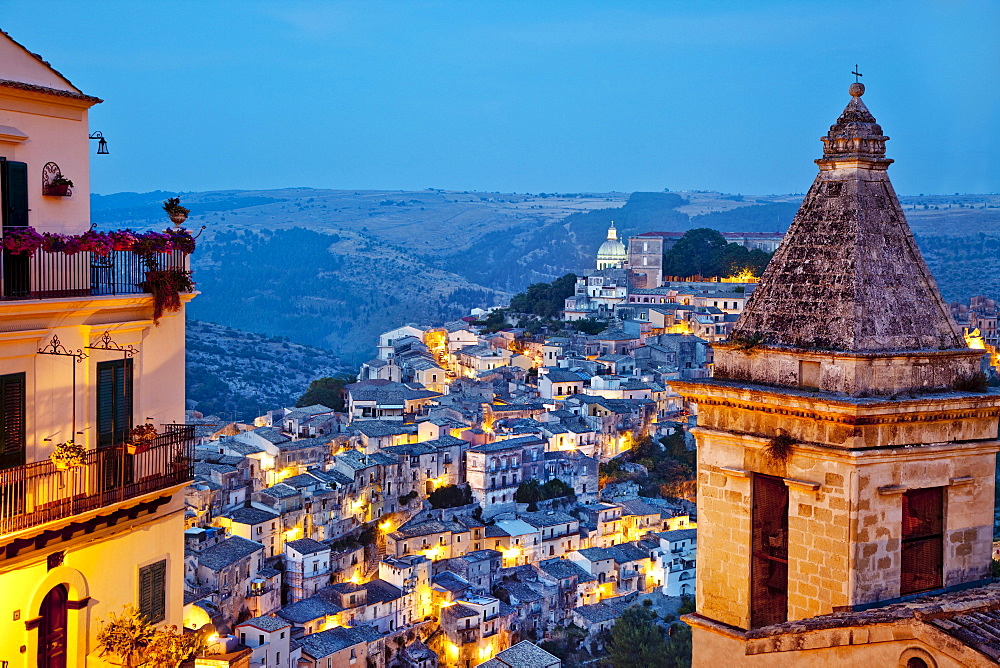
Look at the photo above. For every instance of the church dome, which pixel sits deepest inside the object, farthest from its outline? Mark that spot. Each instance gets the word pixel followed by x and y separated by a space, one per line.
pixel 612 252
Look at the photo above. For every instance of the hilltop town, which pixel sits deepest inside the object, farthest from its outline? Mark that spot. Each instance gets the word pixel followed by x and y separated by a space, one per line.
pixel 495 489
pixel 710 447
pixel 475 486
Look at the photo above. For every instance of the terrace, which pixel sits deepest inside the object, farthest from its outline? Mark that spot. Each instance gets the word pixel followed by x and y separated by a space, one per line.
pixel 40 492
pixel 54 275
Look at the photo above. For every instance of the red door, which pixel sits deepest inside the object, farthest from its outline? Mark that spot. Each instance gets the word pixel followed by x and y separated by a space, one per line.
pixel 52 630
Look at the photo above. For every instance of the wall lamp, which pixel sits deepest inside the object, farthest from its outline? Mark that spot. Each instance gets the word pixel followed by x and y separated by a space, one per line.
pixel 102 144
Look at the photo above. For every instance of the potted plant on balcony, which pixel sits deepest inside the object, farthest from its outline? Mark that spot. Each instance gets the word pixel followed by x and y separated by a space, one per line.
pixel 181 463
pixel 140 438
pixel 59 186
pixel 68 455
pixel 177 213
pixel 166 286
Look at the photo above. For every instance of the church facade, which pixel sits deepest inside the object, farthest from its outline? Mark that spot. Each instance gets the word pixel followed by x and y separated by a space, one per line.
pixel 846 447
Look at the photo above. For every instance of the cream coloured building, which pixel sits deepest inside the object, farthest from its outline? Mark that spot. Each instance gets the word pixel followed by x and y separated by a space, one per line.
pixel 81 361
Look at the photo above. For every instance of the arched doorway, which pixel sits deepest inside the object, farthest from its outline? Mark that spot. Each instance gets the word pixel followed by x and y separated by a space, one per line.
pixel 52 629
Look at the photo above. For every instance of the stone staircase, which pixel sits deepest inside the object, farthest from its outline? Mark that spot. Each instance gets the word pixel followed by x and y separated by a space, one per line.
pixel 372 560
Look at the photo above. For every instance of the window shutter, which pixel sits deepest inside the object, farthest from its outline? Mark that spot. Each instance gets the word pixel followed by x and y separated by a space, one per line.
pixel 114 401
pixel 105 403
pixel 153 591
pixel 14 214
pixel 922 546
pixel 14 189
pixel 123 414
pixel 769 552
pixel 12 420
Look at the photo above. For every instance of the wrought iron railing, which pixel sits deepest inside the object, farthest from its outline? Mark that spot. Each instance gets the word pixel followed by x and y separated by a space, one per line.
pixel 37 493
pixel 55 275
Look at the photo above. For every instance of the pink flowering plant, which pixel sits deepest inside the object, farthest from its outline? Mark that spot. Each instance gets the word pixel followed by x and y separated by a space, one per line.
pixel 23 240
pixel 146 244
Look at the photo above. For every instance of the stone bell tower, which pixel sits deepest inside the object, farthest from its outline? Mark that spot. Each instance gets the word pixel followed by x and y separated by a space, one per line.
pixel 846 445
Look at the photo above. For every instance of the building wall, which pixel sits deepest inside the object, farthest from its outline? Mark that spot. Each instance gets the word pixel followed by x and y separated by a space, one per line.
pixel 645 258
pixel 103 566
pixel 57 130
pixel 844 524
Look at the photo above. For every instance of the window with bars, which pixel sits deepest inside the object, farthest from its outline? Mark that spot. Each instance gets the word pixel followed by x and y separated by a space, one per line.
pixel 769 550
pixel 153 591
pixel 922 546
pixel 11 420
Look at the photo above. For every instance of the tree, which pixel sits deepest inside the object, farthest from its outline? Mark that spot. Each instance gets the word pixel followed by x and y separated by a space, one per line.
pixel 637 641
pixel 135 642
pixel 705 252
pixel 529 491
pixel 695 253
pixel 679 648
pixel 496 320
pixel 589 325
pixel 450 496
pixel 328 391
pixel 544 299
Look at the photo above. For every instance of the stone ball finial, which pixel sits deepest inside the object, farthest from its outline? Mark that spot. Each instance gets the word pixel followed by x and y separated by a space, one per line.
pixel 857 89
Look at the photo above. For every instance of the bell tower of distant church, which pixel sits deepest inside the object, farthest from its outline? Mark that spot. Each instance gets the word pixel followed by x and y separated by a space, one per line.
pixel 846 445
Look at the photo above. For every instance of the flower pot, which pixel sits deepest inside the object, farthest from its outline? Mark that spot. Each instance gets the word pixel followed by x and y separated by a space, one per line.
pixel 136 448
pixel 56 190
pixel 178 218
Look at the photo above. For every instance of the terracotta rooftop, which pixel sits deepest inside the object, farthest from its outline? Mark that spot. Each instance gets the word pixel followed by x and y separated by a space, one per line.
pixel 849 276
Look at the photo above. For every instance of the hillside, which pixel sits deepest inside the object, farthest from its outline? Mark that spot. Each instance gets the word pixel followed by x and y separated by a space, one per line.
pixel 332 269
pixel 237 375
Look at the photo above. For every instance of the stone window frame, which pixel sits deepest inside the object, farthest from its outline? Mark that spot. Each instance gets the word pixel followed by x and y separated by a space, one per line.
pixel 916 653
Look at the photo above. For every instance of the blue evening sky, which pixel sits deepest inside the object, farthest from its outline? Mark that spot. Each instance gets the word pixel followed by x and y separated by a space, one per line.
pixel 543 95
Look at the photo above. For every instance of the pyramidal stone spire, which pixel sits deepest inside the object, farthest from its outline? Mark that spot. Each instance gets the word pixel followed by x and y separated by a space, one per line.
pixel 848 275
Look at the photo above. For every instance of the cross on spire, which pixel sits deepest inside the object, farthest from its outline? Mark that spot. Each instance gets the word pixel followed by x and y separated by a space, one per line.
pixel 856 74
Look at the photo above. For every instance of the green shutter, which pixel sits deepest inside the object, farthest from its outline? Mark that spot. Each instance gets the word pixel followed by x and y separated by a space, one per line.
pixel 11 420
pixel 14 193
pixel 14 213
pixel 105 403
pixel 124 413
pixel 114 401
pixel 153 592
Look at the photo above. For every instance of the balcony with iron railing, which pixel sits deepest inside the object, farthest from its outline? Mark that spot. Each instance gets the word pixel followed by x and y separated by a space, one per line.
pixel 38 493
pixel 59 275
